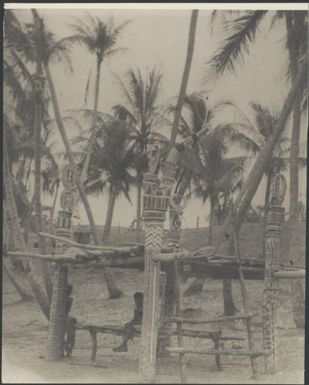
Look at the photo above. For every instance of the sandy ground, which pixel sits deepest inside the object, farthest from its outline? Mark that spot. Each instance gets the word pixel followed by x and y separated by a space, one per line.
pixel 25 338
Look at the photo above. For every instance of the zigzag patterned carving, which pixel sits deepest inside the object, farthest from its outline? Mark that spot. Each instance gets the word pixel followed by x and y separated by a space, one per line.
pixel 154 236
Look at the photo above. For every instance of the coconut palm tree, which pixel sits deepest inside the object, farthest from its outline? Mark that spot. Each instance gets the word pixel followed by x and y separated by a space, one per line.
pixel 242 32
pixel 218 174
pixel 215 175
pixel 11 208
pixel 49 49
pixel 100 39
pixel 140 110
pixel 20 241
pixel 251 136
pixel 112 166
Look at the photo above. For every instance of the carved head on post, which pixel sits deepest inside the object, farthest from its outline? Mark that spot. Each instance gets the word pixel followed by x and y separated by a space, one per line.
pixel 153 158
pixel 278 190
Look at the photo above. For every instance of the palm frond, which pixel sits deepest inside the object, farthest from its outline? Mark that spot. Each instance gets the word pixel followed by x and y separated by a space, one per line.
pixel 242 31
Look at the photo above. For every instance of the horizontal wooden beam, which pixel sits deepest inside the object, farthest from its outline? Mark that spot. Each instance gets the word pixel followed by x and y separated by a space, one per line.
pixel 121 249
pixel 207 335
pixel 233 352
pixel 51 257
pixel 214 320
pixel 289 274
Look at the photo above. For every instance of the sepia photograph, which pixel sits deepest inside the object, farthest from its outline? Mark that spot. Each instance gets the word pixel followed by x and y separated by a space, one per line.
pixel 154 193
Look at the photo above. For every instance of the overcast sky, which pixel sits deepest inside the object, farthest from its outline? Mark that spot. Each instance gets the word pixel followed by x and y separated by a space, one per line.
pixel 159 38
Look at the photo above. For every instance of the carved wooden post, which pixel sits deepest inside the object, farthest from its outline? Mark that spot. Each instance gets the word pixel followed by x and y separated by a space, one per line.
pixel 272 260
pixel 154 220
pixel 155 205
pixel 57 320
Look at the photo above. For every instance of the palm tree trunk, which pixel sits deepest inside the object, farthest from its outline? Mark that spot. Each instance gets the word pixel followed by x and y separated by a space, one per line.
pixel 21 291
pixel 293 51
pixel 228 303
pixel 266 204
pixel 113 290
pixel 9 194
pixel 109 215
pixel 294 167
pixel 63 134
pixel 249 188
pixel 11 205
pixel 138 210
pixel 185 77
pixel 297 291
pixel 93 129
pixel 37 176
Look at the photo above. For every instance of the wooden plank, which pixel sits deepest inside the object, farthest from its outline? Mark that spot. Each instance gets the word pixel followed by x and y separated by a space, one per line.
pixel 214 320
pixel 69 258
pixel 117 330
pixel 126 249
pixel 225 352
pixel 285 274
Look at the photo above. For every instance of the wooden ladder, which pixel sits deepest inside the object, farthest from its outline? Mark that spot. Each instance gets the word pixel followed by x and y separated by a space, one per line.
pixel 246 316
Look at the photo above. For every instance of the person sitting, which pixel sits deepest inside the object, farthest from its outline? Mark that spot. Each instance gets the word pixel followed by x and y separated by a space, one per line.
pixel 129 329
pixel 69 337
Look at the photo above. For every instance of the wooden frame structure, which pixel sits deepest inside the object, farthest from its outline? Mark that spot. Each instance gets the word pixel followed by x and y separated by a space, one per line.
pixel 157 200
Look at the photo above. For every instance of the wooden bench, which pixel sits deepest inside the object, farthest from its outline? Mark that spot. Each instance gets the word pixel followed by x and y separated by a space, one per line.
pixel 215 336
pixel 105 329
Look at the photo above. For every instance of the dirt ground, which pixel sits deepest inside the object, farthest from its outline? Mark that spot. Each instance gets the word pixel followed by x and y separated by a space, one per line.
pixel 25 331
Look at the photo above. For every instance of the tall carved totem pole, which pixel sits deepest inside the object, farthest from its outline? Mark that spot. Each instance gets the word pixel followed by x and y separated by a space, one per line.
pixel 156 199
pixel 272 263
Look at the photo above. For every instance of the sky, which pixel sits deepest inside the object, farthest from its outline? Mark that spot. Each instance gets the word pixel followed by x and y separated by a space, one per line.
pixel 159 38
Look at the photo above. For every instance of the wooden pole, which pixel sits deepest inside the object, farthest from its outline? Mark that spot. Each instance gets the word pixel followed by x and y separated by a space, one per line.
pixel 182 360
pixel 198 222
pixel 244 297
pixel 272 264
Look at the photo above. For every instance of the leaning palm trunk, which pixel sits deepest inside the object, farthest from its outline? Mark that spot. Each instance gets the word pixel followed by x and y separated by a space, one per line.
pixel 249 188
pixel 109 215
pixel 21 291
pixel 185 77
pixel 184 83
pixel 93 130
pixel 11 205
pixel 113 290
pixel 228 303
pixel 37 178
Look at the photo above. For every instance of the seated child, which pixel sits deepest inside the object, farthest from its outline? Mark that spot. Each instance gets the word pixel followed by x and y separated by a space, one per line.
pixel 128 329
